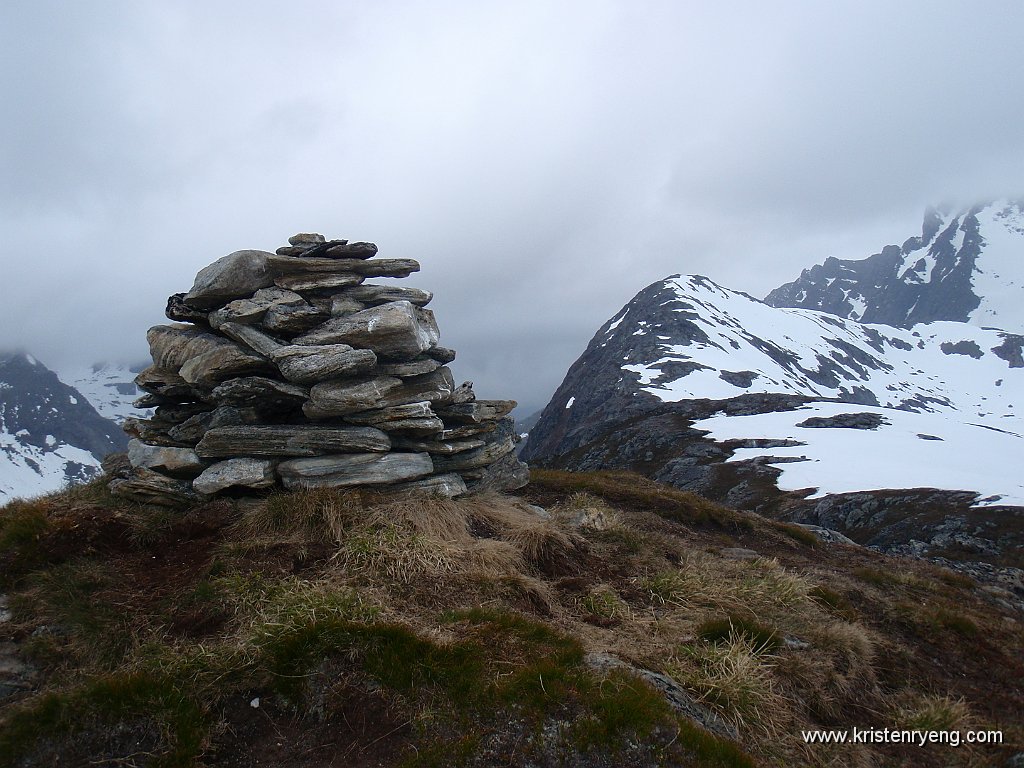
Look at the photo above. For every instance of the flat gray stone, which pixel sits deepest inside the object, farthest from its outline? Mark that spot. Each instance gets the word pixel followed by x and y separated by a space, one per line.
pixel 291 440
pixel 317 282
pixel 439 447
pixel 308 364
pixel 241 472
pixel 342 397
pixel 306 265
pixel 372 295
pixel 175 461
pixel 237 275
pixel 477 411
pixel 251 338
pixel 354 469
pixel 398 331
pixel 415 367
pixel 307 238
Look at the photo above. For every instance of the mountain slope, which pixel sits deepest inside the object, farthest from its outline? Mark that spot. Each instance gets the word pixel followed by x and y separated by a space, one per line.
pixel 109 388
pixel 49 433
pixel 967 267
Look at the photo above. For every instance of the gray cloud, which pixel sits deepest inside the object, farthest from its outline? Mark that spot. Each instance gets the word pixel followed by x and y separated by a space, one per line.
pixel 543 161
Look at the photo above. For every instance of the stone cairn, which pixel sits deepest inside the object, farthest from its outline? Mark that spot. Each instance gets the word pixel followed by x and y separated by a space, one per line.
pixel 286 368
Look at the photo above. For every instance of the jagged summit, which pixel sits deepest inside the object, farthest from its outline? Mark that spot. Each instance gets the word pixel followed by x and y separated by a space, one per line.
pixel 966 266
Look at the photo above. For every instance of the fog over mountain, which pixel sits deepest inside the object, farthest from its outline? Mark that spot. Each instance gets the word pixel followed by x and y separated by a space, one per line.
pixel 543 161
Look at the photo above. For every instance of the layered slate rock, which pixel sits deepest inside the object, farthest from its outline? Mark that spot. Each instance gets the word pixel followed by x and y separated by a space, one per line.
pixel 289 368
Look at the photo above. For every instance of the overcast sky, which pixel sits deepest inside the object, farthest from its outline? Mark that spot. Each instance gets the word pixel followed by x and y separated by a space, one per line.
pixel 544 161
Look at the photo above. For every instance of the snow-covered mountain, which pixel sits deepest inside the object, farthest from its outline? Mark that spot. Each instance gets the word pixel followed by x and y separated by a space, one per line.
pixel 928 395
pixel 881 397
pixel 966 266
pixel 50 434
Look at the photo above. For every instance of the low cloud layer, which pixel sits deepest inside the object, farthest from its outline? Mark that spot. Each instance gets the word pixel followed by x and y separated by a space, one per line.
pixel 544 161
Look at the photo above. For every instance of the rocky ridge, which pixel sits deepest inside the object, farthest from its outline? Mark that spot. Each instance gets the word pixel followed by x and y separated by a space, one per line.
pixel 289 369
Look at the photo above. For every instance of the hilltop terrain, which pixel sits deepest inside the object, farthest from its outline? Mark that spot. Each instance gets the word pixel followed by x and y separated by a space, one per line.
pixel 597 619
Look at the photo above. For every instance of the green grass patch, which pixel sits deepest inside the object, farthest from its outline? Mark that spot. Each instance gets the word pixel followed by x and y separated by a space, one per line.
pixel 798 534
pixel 760 636
pixel 946 619
pixel 876 576
pixel 108 700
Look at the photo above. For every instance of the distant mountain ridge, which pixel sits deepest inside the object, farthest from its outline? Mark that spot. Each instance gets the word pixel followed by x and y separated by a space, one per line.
pixel 965 267
pixel 50 434
pixel 895 433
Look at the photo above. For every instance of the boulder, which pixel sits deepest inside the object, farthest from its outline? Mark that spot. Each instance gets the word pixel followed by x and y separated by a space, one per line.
pixel 354 469
pixel 237 275
pixel 201 358
pixel 241 472
pixel 290 440
pixel 173 461
pixel 398 331
pixel 307 364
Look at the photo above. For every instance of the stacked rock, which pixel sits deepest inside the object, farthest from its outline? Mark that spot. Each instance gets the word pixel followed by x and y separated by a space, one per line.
pixel 287 368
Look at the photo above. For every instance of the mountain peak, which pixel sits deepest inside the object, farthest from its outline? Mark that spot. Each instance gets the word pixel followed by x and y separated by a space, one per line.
pixel 965 266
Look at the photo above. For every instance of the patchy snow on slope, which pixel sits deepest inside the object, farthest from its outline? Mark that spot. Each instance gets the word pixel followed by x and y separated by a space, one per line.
pixel 814 354
pixel 999 274
pixel 27 470
pixel 909 450
pixel 110 389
